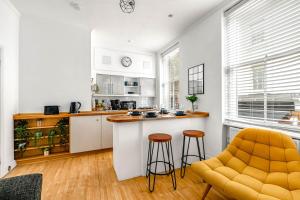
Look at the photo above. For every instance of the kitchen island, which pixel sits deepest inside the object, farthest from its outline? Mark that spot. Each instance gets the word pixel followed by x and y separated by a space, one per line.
pixel 130 139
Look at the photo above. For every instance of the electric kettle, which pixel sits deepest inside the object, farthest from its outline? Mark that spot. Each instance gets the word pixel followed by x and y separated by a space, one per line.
pixel 74 107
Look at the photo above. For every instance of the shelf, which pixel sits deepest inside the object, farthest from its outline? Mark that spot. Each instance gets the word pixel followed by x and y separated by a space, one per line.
pixel 108 95
pixel 41 158
pixel 125 95
pixel 43 127
pixel 42 147
pixel 43 137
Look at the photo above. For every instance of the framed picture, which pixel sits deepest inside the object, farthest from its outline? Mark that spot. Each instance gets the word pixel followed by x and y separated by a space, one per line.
pixel 196 79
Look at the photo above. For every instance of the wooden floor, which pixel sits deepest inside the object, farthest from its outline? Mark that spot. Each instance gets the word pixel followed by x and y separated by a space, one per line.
pixel 91 176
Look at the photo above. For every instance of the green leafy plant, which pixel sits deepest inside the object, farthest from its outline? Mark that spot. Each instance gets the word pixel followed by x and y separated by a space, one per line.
pixel 37 136
pixel 51 137
pixel 193 98
pixel 62 128
pixel 22 135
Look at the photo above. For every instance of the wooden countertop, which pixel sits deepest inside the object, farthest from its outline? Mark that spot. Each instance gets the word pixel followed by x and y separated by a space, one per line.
pixel 64 114
pixel 128 118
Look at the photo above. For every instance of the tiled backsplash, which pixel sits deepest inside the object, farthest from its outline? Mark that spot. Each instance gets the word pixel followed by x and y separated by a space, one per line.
pixel 140 101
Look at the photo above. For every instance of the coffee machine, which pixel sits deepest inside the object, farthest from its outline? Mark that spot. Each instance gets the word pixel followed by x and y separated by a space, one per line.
pixel 74 107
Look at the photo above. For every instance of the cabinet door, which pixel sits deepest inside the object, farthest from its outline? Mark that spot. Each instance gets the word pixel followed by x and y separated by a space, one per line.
pixel 85 133
pixel 148 87
pixel 117 85
pixel 104 84
pixel 107 133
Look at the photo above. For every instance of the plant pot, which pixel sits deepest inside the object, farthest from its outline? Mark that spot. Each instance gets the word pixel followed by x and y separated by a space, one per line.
pixel 46 153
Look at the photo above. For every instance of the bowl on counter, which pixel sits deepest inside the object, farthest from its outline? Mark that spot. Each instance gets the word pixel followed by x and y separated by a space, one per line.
pixel 180 113
pixel 151 114
pixel 136 113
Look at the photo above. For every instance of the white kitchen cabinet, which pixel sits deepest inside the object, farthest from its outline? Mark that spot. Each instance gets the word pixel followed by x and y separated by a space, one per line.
pixel 117 85
pixel 148 87
pixel 107 133
pixel 110 84
pixel 85 133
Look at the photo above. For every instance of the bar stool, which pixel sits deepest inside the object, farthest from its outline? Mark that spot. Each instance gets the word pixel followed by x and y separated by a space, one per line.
pixel 191 134
pixel 160 139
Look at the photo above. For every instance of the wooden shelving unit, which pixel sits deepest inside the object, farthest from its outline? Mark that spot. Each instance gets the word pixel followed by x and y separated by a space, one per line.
pixel 57 142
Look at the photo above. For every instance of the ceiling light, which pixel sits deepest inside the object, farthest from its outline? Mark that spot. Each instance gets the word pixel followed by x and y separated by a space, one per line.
pixel 127 6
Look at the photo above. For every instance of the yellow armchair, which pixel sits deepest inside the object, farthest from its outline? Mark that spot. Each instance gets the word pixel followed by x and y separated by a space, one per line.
pixel 257 165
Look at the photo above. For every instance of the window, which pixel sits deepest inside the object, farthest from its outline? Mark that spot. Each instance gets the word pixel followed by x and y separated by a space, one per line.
pixel 170 79
pixel 263 62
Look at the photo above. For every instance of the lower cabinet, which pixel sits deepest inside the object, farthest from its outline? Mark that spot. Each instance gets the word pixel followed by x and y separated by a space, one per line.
pixel 107 133
pixel 85 133
pixel 88 133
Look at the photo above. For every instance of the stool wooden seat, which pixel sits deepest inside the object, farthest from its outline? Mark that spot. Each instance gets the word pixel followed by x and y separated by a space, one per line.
pixel 193 133
pixel 160 137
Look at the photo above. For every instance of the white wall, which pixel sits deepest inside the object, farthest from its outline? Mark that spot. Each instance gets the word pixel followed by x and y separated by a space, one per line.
pixel 202 43
pixel 55 64
pixel 9 42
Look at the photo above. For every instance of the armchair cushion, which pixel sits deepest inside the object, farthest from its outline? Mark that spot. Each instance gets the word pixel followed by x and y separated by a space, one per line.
pixel 257 165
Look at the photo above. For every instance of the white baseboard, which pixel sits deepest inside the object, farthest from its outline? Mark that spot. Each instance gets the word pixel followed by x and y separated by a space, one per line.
pixel 4 169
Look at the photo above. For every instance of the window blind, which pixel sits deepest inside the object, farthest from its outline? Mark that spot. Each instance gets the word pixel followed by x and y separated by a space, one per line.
pixel 262 53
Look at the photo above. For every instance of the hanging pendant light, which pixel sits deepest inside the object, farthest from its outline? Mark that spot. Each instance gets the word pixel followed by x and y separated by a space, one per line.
pixel 127 6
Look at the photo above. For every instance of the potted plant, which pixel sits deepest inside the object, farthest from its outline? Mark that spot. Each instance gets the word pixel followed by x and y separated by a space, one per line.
pixel 61 125
pixel 46 151
pixel 193 98
pixel 22 135
pixel 37 137
pixel 51 137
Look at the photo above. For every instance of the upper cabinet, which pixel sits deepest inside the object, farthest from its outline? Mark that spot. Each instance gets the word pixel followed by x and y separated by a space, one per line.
pixel 148 87
pixel 110 84
pixel 115 62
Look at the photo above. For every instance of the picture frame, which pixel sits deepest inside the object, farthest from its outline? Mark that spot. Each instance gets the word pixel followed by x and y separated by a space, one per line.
pixel 196 79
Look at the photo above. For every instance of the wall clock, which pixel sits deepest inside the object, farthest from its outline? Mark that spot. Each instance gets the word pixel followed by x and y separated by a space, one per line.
pixel 126 61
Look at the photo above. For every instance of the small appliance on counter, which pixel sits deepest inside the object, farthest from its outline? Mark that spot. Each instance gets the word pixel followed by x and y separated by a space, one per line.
pixel 51 110
pixel 115 104
pixel 74 107
pixel 125 105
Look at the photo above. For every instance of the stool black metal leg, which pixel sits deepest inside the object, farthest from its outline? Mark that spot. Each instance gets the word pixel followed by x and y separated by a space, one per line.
pixel 199 152
pixel 182 156
pixel 162 147
pixel 174 173
pixel 186 158
pixel 151 189
pixel 203 148
pixel 148 158
pixel 150 164
pixel 168 156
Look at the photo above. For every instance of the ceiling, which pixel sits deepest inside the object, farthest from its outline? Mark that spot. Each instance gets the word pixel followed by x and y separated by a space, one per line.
pixel 148 27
